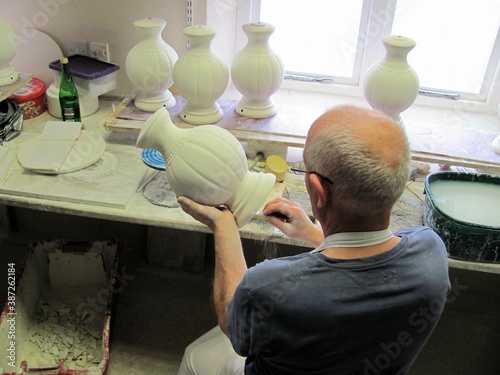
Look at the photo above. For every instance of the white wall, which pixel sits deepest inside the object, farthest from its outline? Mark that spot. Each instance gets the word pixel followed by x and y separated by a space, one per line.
pixel 106 21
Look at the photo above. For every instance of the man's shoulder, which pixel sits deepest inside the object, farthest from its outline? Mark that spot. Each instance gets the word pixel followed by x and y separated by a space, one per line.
pixel 422 236
pixel 274 270
pixel 415 230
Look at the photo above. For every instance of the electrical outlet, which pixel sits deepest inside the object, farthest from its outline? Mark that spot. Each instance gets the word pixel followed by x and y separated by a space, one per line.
pixel 99 51
pixel 77 48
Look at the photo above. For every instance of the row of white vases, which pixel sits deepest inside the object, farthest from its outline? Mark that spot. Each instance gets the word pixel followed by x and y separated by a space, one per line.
pixel 201 76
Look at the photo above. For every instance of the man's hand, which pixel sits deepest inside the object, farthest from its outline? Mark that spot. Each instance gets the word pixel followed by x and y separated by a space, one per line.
pixel 212 217
pixel 293 221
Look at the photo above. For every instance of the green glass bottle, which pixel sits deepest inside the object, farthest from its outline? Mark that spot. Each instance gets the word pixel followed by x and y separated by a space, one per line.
pixel 68 95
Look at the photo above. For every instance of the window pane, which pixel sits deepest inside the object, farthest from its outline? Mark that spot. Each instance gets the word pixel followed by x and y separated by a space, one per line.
pixel 316 36
pixel 454 40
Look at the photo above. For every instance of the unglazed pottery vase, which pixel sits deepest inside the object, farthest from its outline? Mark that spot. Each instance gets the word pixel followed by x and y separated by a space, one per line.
pixel 9 43
pixel 149 66
pixel 207 164
pixel 496 145
pixel 257 72
pixel 201 77
pixel 391 85
pixel 496 142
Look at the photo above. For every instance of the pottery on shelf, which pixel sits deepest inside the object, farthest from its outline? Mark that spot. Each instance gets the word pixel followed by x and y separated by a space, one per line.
pixel 201 77
pixel 9 43
pixel 496 145
pixel 149 66
pixel 257 72
pixel 391 85
pixel 208 165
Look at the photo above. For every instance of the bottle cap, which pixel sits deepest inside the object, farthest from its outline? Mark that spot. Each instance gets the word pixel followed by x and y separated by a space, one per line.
pixel 64 60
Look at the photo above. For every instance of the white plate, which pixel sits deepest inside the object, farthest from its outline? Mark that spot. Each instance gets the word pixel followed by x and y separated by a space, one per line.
pixel 34 53
pixel 88 149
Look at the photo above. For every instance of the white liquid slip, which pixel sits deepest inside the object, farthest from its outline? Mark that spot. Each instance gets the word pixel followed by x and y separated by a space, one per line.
pixel 472 202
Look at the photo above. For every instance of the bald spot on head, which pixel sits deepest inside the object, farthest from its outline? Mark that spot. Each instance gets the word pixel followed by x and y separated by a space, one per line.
pixel 378 132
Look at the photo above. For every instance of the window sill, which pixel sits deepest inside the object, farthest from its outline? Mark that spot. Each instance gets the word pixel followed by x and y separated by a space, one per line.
pixel 444 136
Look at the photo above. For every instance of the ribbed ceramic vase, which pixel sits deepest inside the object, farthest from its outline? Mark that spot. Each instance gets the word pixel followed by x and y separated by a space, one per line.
pixel 150 65
pixel 391 85
pixel 9 43
pixel 207 164
pixel 201 77
pixel 257 72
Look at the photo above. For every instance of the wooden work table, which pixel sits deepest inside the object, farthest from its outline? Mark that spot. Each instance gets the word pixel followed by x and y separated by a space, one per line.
pixel 110 189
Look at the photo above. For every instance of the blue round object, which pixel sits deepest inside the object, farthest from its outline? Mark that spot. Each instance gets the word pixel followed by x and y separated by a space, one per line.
pixel 153 159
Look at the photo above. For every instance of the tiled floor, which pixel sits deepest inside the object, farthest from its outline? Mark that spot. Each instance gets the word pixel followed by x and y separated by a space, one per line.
pixel 160 311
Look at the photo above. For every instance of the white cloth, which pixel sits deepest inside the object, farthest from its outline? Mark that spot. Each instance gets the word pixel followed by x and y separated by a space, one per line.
pixel 212 354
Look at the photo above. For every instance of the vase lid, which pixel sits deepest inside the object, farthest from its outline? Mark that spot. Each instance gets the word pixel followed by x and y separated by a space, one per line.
pixel 258 27
pixel 150 22
pixel 399 41
pixel 199 30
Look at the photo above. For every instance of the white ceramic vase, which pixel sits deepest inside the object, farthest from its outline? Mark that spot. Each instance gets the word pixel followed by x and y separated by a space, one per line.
pixel 9 43
pixel 201 77
pixel 149 66
pixel 496 145
pixel 496 142
pixel 207 164
pixel 257 72
pixel 391 85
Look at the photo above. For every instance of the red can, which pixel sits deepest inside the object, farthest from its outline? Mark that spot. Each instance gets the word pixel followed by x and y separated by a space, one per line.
pixel 31 97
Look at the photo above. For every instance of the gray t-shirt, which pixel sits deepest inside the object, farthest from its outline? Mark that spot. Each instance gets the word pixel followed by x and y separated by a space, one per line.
pixel 310 314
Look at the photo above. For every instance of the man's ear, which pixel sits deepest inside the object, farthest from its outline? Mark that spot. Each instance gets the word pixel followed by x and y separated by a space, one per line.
pixel 319 190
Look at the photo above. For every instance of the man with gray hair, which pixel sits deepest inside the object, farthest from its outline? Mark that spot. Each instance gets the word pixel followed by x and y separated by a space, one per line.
pixel 364 301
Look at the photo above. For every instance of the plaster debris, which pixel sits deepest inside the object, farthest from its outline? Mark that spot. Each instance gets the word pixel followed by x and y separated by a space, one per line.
pixel 68 324
pixel 159 192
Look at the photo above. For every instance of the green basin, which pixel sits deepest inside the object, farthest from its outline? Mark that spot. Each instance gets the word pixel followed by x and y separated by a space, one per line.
pixel 462 208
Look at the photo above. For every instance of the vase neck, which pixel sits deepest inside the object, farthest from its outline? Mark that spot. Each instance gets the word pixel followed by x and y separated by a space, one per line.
pixel 200 36
pixel 150 28
pixel 200 42
pixel 397 48
pixel 258 40
pixel 258 34
pixel 161 134
pixel 398 54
